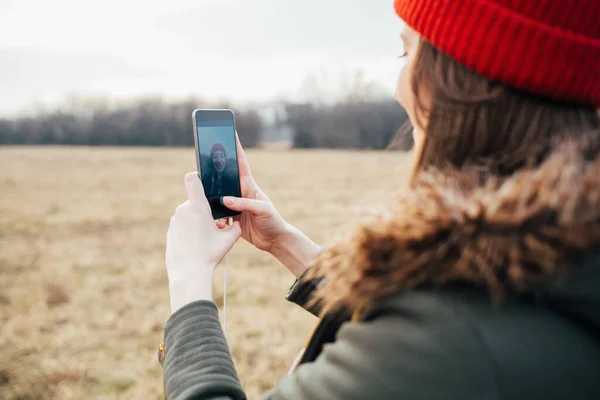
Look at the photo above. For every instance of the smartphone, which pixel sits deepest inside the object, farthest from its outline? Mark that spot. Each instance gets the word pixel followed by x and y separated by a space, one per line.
pixel 216 158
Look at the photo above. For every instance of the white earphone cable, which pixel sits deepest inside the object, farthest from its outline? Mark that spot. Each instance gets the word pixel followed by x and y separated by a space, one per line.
pixel 225 305
pixel 225 297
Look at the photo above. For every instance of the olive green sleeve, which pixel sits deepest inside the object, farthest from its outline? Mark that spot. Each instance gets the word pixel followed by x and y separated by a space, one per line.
pixel 197 363
pixel 301 292
pixel 417 349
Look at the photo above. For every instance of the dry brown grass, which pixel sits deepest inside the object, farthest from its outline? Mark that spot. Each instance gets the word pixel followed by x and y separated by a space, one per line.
pixel 83 289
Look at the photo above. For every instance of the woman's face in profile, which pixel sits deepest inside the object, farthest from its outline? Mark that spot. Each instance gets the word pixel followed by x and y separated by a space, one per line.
pixel 404 93
pixel 218 160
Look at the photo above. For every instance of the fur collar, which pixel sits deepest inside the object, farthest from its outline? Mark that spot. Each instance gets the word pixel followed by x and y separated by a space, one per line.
pixel 514 235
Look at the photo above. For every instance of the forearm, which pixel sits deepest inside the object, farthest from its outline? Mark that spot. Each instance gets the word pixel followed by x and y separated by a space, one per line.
pixel 295 250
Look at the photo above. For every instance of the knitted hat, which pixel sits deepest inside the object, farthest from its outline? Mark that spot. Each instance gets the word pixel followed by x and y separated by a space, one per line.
pixel 547 47
pixel 216 147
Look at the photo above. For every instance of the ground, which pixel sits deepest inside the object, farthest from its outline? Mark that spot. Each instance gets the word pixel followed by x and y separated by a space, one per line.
pixel 83 287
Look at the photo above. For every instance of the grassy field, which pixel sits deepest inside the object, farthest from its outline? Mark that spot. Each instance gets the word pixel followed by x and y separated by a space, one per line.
pixel 83 288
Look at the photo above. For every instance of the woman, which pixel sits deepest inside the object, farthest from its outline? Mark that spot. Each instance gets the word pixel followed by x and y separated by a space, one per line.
pixel 483 281
pixel 215 180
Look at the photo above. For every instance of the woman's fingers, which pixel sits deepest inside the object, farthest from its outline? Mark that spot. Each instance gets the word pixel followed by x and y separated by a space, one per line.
pixel 249 187
pixel 195 191
pixel 251 190
pixel 235 231
pixel 242 160
pixel 257 207
pixel 221 223
pixel 194 187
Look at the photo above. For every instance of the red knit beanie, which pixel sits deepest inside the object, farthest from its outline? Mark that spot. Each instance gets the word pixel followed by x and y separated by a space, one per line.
pixel 217 147
pixel 547 47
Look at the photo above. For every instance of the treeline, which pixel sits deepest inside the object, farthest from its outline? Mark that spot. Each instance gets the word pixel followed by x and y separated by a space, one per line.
pixel 370 124
pixel 352 125
pixel 151 122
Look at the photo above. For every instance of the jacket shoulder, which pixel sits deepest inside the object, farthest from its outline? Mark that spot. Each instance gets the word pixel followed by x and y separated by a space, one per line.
pixel 518 335
pixel 409 348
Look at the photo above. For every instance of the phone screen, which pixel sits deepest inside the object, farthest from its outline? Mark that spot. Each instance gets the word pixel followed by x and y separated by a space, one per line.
pixel 217 158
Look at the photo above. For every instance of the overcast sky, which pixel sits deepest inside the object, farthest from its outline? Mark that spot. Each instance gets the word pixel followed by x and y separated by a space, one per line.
pixel 234 49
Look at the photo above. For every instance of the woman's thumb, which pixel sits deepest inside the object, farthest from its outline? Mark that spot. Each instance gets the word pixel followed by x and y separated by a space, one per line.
pixel 235 230
pixel 241 204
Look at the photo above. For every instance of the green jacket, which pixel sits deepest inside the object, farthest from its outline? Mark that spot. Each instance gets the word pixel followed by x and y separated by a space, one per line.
pixel 448 344
pixel 429 273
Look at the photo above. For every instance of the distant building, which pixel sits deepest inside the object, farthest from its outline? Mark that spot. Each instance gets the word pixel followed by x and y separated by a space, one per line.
pixel 276 133
pixel 277 136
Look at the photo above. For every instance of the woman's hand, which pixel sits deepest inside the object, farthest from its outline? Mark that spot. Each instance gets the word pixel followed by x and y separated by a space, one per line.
pixel 195 246
pixel 263 226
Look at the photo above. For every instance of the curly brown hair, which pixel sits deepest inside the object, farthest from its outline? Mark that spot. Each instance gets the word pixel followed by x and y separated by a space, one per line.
pixel 505 187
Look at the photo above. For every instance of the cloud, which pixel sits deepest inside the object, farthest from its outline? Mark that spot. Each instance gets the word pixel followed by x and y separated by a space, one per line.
pixel 274 28
pixel 30 75
pixel 218 48
pixel 7 4
pixel 38 69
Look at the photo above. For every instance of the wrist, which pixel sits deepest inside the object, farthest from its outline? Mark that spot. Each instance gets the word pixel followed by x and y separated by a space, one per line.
pixel 295 250
pixel 185 291
pixel 285 241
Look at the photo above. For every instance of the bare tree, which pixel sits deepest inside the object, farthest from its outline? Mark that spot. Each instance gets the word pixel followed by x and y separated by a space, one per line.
pixel 97 122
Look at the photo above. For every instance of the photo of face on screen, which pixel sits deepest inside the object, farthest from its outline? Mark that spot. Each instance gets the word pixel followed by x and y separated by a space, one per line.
pixel 218 163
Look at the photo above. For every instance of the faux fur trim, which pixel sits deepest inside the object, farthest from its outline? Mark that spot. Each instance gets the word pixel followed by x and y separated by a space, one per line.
pixel 517 234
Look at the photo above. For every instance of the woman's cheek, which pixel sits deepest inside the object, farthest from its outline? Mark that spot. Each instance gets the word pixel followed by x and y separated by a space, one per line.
pixel 403 89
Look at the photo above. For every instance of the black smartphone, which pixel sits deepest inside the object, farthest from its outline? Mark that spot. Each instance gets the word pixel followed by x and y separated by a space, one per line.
pixel 216 158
